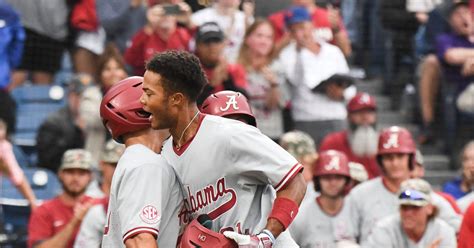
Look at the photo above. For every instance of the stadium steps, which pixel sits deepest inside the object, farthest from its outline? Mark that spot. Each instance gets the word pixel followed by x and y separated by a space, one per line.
pixel 437 164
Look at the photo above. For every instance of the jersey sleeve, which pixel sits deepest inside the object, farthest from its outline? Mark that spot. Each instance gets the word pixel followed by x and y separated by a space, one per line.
pixel 355 219
pixel 255 155
pixel 141 199
pixel 40 227
pixel 380 237
pixel 91 230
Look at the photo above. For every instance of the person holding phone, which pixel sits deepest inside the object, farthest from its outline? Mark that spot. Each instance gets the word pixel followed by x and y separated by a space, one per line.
pixel 161 33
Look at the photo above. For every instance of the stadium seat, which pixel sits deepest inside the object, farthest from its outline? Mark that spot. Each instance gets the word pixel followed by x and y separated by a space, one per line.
pixel 34 104
pixel 15 209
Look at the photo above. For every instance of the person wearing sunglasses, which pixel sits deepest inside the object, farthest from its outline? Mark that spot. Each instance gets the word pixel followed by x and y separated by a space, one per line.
pixel 416 225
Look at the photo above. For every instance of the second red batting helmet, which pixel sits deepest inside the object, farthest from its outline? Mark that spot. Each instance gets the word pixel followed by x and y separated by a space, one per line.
pixel 196 235
pixel 332 162
pixel 361 101
pixel 121 110
pixel 227 102
pixel 396 139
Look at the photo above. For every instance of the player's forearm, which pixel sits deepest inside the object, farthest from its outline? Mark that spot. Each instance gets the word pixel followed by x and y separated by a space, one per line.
pixel 294 192
pixel 141 240
pixel 62 238
pixel 343 42
pixel 458 56
pixel 27 192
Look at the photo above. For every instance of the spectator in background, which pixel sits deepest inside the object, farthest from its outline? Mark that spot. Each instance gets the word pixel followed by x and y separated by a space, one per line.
pixel 359 142
pixel 312 92
pixel 419 172
pixel 9 166
pixel 403 26
pixel 121 19
pixel 56 222
pixel 231 20
pixel 89 37
pixel 92 227
pixel 430 68
pixel 327 26
pixel 464 184
pixel 266 81
pixel 45 24
pixel 377 198
pixel 111 69
pixel 63 129
pixel 301 146
pixel 12 37
pixel 319 220
pixel 221 74
pixel 161 33
pixel 456 50
pixel 416 225
pixel 466 233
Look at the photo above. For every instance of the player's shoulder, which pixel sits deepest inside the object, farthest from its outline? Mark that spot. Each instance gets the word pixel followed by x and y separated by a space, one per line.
pixel 140 158
pixel 225 126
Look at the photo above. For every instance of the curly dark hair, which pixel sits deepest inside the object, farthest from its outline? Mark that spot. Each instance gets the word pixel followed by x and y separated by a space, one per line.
pixel 181 72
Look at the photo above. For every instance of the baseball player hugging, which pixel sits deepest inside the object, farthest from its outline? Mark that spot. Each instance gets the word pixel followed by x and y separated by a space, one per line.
pixel 145 196
pixel 228 170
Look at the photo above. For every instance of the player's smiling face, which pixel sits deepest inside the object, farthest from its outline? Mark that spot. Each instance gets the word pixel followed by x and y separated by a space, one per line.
pixel 155 100
pixel 396 165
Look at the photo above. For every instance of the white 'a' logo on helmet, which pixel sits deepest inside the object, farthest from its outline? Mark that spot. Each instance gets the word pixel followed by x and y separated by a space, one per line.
pixel 333 164
pixel 364 98
pixel 392 141
pixel 231 102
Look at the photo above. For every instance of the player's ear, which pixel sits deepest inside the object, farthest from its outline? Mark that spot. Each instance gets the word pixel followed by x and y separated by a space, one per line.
pixel 177 99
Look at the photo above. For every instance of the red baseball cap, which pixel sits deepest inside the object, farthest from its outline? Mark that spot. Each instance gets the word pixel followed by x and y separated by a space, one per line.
pixel 361 101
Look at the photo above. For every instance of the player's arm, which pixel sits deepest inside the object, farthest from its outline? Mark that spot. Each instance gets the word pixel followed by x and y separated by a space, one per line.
pixel 288 200
pixel 141 240
pixel 140 226
pixel 62 238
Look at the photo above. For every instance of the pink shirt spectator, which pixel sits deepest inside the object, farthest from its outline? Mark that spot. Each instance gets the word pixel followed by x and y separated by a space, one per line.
pixel 8 160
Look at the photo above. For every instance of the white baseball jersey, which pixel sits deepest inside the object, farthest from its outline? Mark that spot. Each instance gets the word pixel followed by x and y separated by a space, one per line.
pixel 371 201
pixel 313 228
pixel 92 228
pixel 145 197
pixel 389 234
pixel 228 171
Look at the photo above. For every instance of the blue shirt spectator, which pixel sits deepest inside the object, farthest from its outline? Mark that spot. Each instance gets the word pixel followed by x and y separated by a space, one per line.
pixel 12 37
pixel 454 188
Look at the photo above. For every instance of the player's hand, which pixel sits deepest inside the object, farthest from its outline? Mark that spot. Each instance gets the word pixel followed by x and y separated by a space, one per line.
pixel 185 15
pixel 333 17
pixel 80 210
pixel 261 240
pixel 435 243
pixel 269 75
pixel 220 73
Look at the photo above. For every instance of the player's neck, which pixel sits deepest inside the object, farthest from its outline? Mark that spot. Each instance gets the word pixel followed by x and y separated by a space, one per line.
pixel 330 205
pixel 224 10
pixel 393 184
pixel 416 234
pixel 153 139
pixel 69 200
pixel 186 126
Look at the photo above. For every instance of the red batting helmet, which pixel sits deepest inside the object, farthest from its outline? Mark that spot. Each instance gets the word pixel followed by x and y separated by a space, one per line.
pixel 332 162
pixel 196 235
pixel 227 102
pixel 396 139
pixel 121 110
pixel 361 101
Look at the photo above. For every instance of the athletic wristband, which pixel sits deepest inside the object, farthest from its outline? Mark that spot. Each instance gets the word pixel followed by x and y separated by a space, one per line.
pixel 284 210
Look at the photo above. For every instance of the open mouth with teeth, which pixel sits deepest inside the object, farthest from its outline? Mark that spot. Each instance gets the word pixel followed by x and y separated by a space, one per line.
pixel 144 114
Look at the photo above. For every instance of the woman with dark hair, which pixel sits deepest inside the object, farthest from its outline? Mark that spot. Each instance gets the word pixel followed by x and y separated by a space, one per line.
pixel 265 78
pixel 111 69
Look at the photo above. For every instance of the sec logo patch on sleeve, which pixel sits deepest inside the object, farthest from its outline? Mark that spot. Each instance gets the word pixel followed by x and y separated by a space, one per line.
pixel 149 214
